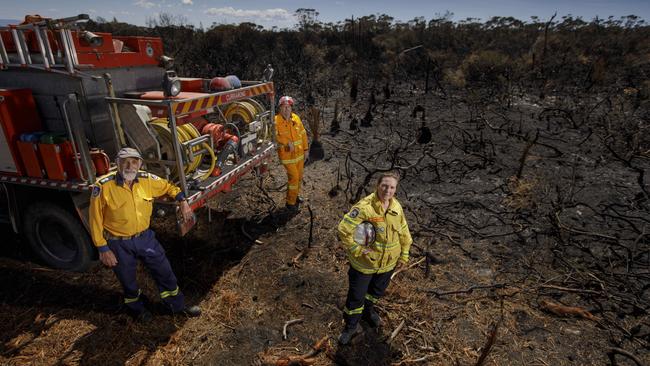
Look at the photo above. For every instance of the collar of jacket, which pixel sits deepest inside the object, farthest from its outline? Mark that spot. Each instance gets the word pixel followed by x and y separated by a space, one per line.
pixel 392 206
pixel 120 180
pixel 290 120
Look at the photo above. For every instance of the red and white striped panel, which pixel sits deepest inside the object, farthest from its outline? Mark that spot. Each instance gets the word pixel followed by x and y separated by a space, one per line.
pixel 46 183
pixel 209 101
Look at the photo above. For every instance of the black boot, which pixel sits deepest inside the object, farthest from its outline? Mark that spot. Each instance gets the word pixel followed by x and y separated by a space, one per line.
pixel 292 209
pixel 371 316
pixel 191 311
pixel 348 333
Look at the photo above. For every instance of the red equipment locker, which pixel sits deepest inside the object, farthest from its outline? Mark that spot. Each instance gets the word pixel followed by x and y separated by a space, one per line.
pixel 18 115
pixel 30 158
pixel 53 161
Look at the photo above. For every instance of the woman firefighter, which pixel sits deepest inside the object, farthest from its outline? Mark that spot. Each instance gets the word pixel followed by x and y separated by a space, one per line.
pixel 376 238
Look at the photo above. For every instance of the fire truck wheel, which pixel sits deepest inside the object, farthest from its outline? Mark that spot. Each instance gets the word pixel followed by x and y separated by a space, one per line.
pixel 57 237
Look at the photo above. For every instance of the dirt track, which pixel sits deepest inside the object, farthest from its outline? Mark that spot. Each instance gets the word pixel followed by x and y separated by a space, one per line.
pixel 497 253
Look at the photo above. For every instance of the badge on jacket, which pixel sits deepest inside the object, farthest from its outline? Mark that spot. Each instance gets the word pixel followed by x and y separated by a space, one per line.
pixel 96 191
pixel 354 213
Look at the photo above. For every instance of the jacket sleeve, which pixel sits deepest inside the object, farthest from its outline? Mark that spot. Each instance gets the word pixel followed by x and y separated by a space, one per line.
pixel 405 239
pixel 346 230
pixel 160 187
pixel 281 136
pixel 96 216
pixel 303 135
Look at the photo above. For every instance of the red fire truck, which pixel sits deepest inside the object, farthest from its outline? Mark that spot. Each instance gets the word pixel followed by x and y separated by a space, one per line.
pixel 70 99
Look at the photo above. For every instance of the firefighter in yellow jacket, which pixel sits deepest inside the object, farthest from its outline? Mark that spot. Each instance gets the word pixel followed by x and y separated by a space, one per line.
pixel 376 238
pixel 120 212
pixel 291 138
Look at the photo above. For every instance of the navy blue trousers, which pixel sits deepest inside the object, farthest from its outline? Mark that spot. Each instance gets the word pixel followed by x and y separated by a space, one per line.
pixel 147 249
pixel 365 290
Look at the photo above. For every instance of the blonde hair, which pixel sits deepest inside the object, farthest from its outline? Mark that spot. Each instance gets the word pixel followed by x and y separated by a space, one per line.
pixel 391 174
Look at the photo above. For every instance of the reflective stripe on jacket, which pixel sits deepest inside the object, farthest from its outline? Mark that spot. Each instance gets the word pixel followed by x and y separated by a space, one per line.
pixel 123 211
pixel 393 238
pixel 291 131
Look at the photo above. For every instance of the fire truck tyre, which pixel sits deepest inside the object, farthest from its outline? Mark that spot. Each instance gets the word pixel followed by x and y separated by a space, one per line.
pixel 57 237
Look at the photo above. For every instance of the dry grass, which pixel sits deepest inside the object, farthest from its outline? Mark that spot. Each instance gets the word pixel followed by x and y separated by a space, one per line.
pixel 522 193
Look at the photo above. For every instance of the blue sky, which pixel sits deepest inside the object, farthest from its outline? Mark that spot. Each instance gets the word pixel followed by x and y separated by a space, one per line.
pixel 280 13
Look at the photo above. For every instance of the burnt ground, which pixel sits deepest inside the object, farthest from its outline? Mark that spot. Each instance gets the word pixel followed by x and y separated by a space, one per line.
pixel 531 248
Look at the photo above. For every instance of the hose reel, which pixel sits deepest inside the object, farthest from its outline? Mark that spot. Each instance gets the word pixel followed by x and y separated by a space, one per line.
pixel 192 158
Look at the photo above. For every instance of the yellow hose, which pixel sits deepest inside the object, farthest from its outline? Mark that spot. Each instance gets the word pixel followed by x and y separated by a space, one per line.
pixel 245 110
pixel 185 133
pixel 201 174
pixel 258 106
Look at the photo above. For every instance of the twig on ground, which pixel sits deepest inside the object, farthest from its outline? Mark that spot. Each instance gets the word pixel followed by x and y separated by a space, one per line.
pixel 243 231
pixel 562 310
pixel 615 350
pixel 412 360
pixel 311 226
pixel 396 331
pixel 407 268
pixel 468 290
pixel 288 323
pixel 306 359
pixel 487 347
pixel 294 260
pixel 576 231
pixel 567 289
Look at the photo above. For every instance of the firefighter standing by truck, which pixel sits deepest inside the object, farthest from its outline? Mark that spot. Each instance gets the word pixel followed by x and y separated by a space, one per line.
pixel 376 238
pixel 120 212
pixel 291 138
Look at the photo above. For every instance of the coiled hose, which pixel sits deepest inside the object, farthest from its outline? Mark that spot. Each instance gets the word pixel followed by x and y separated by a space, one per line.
pixel 185 133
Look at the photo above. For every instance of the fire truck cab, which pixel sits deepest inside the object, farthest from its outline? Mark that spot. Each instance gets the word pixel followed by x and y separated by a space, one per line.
pixel 70 99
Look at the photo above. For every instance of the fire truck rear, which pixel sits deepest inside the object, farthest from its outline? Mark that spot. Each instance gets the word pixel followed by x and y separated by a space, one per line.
pixel 70 99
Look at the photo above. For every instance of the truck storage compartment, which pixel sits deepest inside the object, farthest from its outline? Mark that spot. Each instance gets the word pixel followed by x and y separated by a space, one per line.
pixel 18 116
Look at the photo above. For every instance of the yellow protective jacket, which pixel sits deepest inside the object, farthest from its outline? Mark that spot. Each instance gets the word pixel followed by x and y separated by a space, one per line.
pixel 123 211
pixel 393 238
pixel 290 131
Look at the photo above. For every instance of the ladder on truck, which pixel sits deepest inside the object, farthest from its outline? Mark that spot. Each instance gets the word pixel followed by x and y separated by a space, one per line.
pixel 47 57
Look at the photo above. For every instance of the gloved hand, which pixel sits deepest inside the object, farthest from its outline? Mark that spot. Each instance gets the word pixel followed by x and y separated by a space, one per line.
pixel 289 147
pixel 368 253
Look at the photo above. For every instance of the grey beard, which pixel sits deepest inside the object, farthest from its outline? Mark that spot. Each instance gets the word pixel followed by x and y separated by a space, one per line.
pixel 129 175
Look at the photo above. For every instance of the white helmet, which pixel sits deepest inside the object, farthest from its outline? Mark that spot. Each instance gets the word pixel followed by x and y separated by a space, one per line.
pixel 364 234
pixel 286 100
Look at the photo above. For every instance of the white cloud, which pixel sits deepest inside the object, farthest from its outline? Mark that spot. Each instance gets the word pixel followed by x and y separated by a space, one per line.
pixel 187 2
pixel 144 4
pixel 276 14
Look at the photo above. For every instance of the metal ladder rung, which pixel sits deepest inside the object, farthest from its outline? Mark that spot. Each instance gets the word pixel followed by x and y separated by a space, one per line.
pixel 48 61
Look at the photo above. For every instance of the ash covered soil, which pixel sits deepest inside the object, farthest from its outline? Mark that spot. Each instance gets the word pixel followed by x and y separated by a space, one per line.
pixel 531 248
